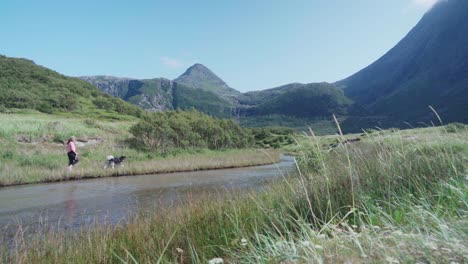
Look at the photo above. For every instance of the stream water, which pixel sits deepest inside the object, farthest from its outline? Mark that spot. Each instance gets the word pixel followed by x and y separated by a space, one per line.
pixel 81 203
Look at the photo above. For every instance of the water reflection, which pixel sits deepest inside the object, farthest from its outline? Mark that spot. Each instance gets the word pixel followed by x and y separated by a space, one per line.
pixel 81 203
pixel 70 205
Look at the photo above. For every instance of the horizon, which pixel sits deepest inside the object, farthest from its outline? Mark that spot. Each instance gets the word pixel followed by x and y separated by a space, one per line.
pixel 268 60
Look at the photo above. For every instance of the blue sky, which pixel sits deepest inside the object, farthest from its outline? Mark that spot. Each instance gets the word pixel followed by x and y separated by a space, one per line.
pixel 252 45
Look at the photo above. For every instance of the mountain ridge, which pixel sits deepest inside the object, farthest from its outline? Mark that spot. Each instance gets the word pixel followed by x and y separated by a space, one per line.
pixel 427 67
pixel 160 94
pixel 324 98
pixel 200 76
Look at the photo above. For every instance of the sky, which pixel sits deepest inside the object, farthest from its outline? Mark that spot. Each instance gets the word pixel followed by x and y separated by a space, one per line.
pixel 250 44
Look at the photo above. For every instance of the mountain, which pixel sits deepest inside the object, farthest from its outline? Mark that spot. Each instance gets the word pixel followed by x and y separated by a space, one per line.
pixel 197 88
pixel 199 76
pixel 151 94
pixel 427 67
pixel 23 84
pixel 313 100
pixel 161 94
pixel 114 86
pixel 203 90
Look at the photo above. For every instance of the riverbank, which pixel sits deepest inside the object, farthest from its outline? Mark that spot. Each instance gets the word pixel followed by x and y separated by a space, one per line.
pixel 392 197
pixel 74 205
pixel 33 151
pixel 203 160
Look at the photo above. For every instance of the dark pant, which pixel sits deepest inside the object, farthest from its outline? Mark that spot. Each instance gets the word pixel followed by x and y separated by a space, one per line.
pixel 72 158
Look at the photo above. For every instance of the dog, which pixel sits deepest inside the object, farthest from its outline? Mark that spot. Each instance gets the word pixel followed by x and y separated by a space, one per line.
pixel 111 161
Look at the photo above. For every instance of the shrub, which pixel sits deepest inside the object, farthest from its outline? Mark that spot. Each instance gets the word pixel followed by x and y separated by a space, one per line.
pixel 272 136
pixel 7 155
pixel 152 132
pixel 455 127
pixel 45 108
pixel 91 123
pixel 188 129
pixel 103 103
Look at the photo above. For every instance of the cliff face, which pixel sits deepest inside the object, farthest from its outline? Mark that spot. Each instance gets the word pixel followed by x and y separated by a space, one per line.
pixel 150 94
pixel 162 94
pixel 116 87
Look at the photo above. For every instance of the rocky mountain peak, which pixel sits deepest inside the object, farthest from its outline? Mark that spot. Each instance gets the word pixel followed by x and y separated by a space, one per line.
pixel 201 77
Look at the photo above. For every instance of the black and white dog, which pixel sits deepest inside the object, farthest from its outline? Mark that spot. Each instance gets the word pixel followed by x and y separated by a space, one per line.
pixel 111 161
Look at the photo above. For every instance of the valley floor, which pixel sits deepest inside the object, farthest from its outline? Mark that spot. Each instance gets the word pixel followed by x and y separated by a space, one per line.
pixel 391 197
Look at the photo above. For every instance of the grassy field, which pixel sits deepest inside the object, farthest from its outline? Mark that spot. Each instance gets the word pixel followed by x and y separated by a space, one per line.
pixel 33 150
pixel 392 197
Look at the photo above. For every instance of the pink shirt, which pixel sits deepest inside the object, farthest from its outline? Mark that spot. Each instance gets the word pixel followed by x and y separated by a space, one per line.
pixel 71 146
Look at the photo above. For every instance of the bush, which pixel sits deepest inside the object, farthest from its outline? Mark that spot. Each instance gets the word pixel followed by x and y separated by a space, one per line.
pixel 92 123
pixel 7 155
pixel 188 129
pixel 455 127
pixel 45 108
pixel 123 107
pixel 152 132
pixel 103 103
pixel 274 137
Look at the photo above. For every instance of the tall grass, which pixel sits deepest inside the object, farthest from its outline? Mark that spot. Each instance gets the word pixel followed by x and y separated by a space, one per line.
pixel 408 204
pixel 51 167
pixel 33 151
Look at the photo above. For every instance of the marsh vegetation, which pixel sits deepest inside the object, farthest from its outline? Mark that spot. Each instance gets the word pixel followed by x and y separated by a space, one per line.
pixel 34 151
pixel 394 196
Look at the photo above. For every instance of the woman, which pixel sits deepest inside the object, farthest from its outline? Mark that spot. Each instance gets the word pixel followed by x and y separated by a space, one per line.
pixel 72 154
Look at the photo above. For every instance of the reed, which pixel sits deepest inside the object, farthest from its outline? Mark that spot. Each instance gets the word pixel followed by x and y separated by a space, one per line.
pixel 408 204
pixel 33 151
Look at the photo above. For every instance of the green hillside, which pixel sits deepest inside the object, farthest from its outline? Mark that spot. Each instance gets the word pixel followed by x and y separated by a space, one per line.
pixel 23 84
pixel 199 76
pixel 427 67
pixel 295 105
pixel 185 98
pixel 314 100
pixel 152 94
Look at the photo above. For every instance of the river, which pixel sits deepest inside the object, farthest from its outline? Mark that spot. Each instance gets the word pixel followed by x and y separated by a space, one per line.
pixel 81 203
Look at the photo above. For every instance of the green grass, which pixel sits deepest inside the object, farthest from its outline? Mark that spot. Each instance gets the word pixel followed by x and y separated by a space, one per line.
pixel 321 127
pixel 389 198
pixel 34 151
pixel 23 84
